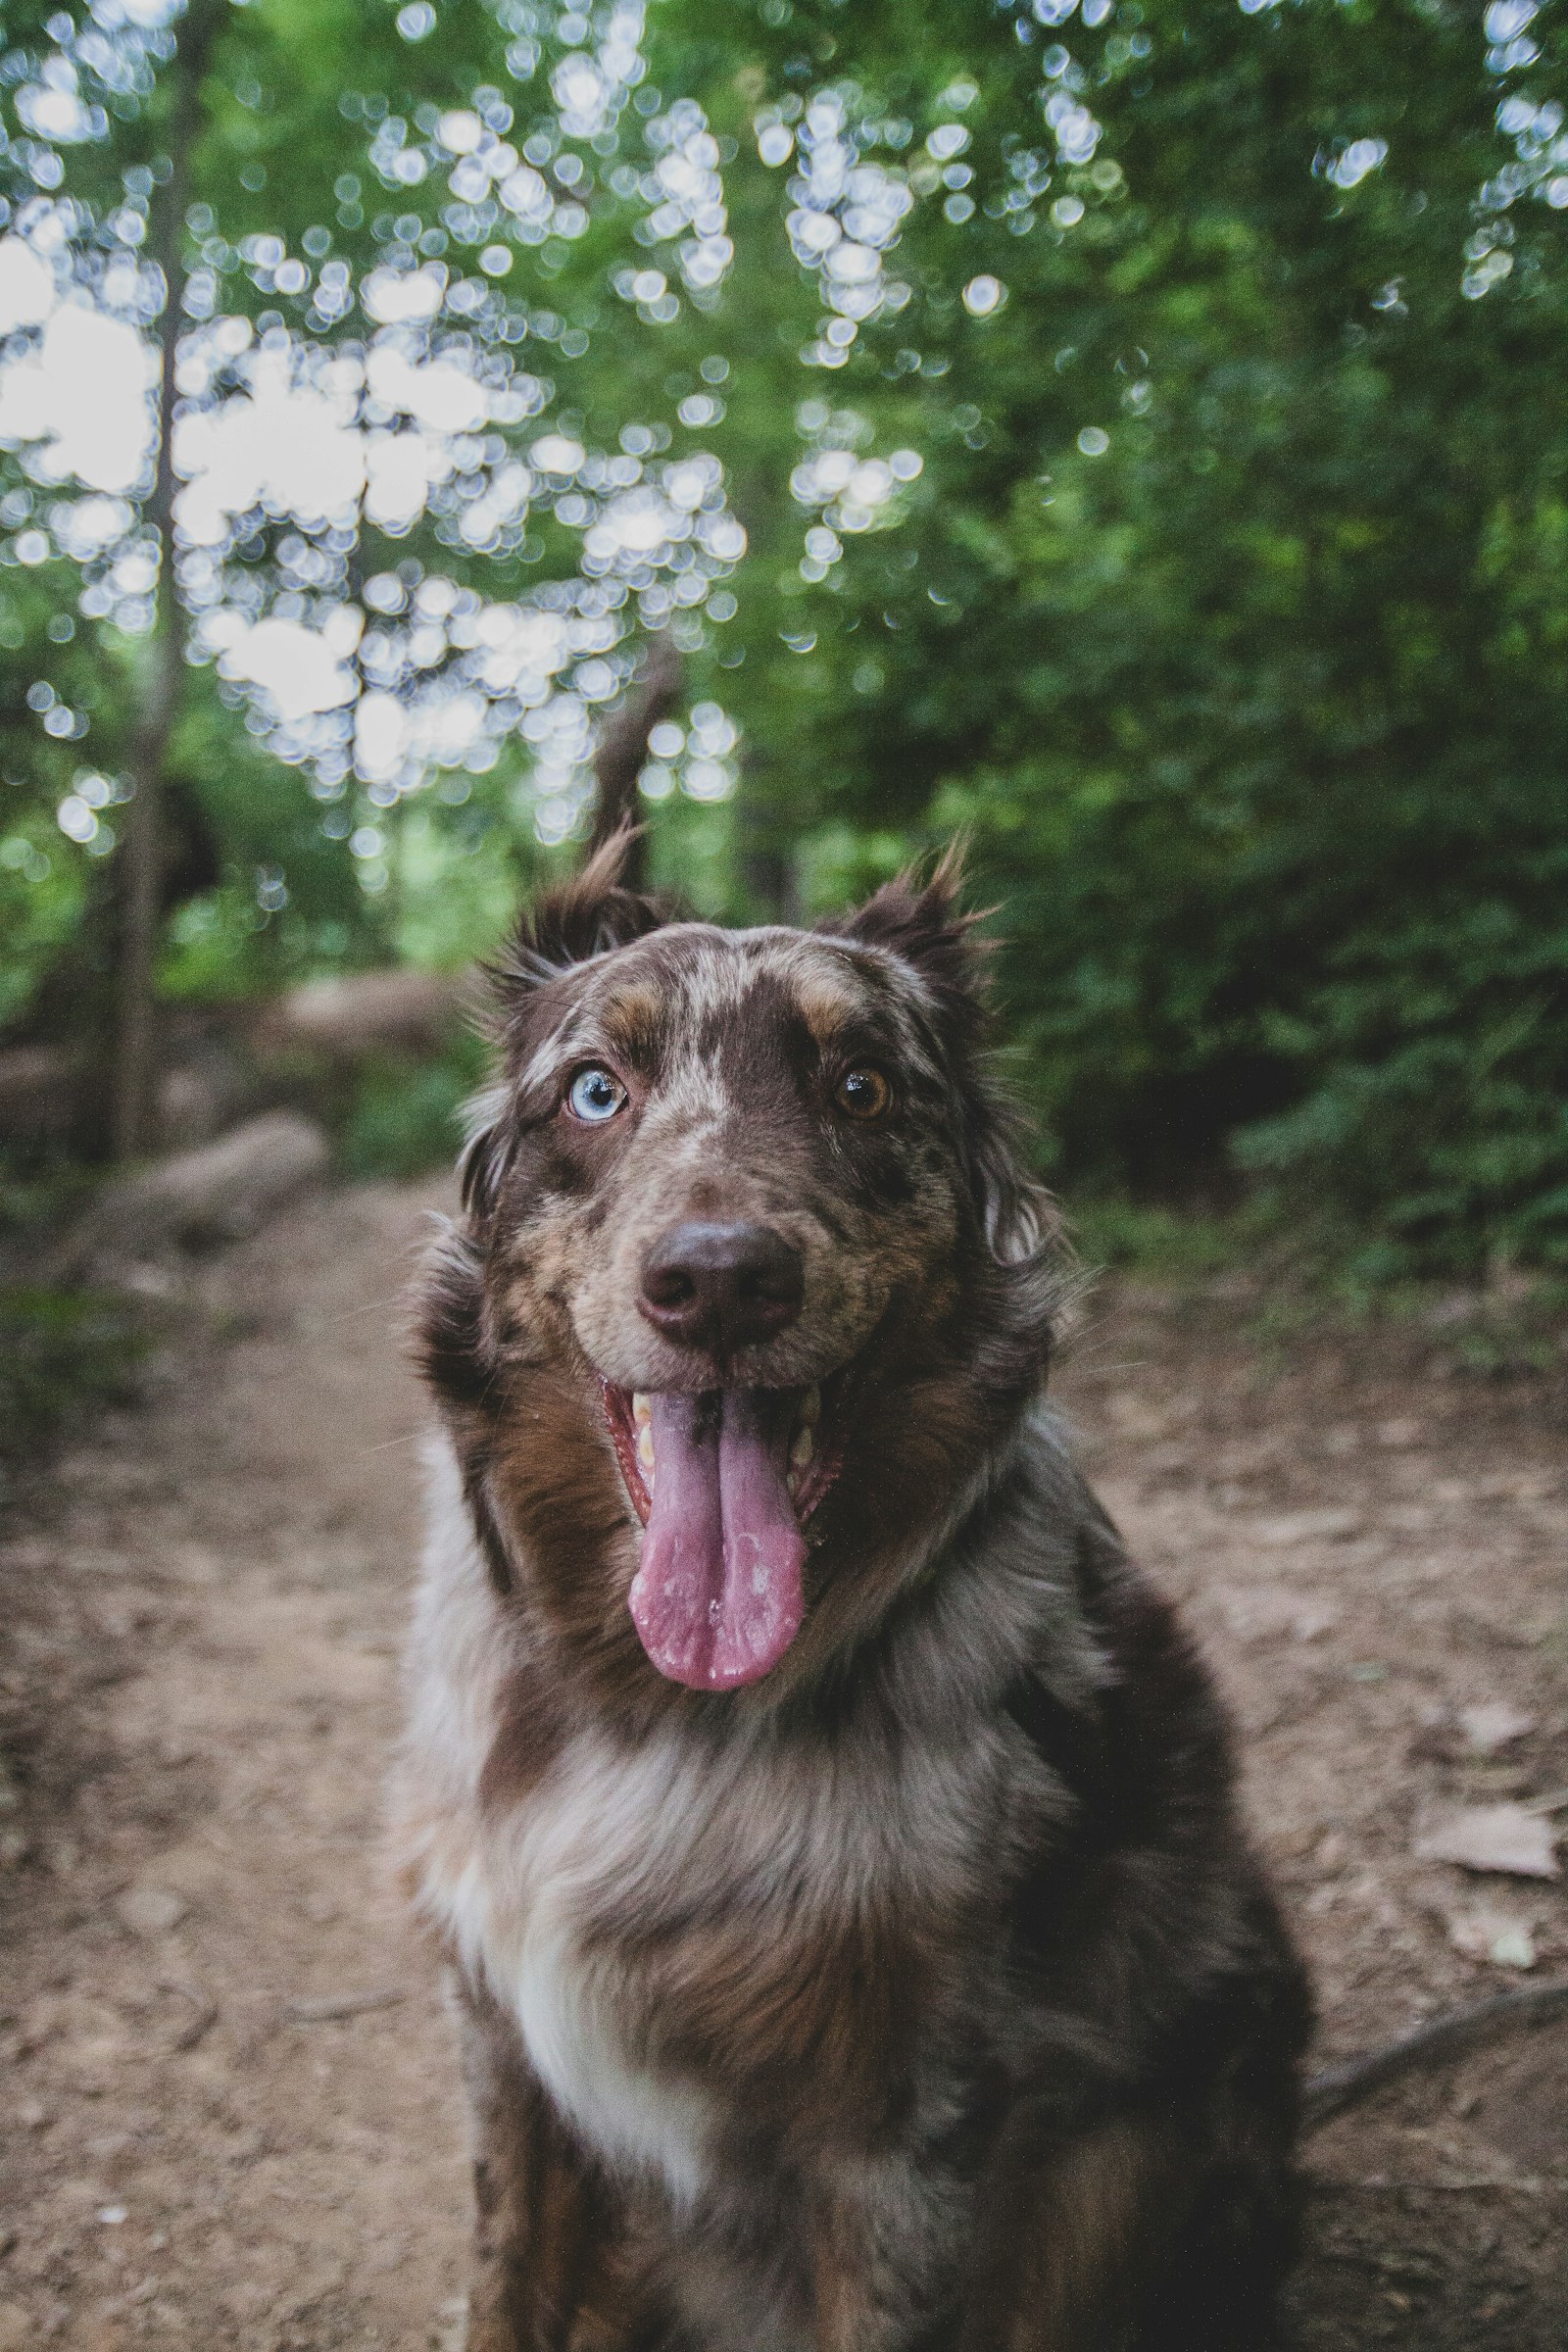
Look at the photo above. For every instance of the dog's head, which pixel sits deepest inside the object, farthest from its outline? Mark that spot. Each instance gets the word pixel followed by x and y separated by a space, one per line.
pixel 753 1277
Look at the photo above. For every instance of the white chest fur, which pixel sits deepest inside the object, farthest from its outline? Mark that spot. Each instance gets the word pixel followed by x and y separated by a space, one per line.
pixel 515 1887
pixel 585 1837
pixel 611 1835
pixel 530 1894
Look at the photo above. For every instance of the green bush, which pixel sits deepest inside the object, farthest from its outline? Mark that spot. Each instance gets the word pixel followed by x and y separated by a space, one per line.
pixel 64 1354
pixel 405 1119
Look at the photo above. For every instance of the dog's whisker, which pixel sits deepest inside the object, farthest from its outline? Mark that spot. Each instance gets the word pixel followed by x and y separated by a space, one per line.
pixel 312 1326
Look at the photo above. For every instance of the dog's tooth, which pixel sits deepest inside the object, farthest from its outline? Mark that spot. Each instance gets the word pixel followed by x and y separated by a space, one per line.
pixel 645 1445
pixel 642 1409
pixel 812 1407
pixel 793 1484
pixel 803 1449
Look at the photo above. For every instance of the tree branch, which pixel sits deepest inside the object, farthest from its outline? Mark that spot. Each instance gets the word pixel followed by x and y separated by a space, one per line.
pixel 1450 2036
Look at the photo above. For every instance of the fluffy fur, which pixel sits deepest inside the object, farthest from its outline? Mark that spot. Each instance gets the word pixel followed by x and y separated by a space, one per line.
pixel 924 1995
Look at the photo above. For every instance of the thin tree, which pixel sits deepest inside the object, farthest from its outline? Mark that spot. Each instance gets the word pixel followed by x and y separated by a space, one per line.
pixel 135 1060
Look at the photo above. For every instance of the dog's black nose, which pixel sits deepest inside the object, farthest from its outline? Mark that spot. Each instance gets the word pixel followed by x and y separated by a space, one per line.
pixel 722 1287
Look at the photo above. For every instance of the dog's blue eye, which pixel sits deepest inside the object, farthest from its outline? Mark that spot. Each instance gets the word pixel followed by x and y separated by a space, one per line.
pixel 595 1096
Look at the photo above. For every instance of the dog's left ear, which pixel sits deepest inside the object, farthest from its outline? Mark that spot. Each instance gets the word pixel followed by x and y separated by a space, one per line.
pixel 924 923
pixel 1018 1216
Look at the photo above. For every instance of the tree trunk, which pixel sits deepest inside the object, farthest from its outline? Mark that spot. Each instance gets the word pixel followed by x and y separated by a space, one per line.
pixel 141 846
pixel 766 869
pixel 623 748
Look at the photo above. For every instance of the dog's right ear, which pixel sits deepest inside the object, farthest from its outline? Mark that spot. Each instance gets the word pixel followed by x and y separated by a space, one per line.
pixel 588 915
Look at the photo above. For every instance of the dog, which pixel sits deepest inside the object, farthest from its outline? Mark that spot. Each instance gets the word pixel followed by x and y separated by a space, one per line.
pixel 831 1833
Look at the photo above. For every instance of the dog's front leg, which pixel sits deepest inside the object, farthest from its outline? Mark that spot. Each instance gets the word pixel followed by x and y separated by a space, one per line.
pixel 554 2269
pixel 1074 2246
pixel 887 2241
pixel 1059 2255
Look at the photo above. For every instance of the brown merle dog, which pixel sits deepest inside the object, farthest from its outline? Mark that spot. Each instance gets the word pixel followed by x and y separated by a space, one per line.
pixel 832 1834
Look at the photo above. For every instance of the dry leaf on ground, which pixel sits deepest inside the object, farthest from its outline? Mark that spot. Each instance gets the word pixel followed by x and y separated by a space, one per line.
pixel 1502 1838
pixel 1485 1931
pixel 1495 1724
pixel 1329 1526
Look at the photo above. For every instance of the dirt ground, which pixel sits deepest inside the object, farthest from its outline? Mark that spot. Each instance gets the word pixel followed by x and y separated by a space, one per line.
pixel 227 2105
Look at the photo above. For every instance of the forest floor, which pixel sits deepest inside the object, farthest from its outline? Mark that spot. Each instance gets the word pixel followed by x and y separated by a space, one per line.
pixel 229 2111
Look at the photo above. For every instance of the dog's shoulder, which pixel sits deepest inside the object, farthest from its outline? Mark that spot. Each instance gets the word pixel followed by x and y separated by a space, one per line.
pixel 1152 1917
pixel 1114 1696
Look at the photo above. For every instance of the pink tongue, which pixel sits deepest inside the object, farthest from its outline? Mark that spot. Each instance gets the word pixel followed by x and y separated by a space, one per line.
pixel 717 1599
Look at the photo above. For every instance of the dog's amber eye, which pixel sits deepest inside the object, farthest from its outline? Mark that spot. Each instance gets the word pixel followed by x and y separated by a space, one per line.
pixel 863 1092
pixel 595 1095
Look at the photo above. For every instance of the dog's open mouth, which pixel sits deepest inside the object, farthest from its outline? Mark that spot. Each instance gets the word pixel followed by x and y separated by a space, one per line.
pixel 724 1483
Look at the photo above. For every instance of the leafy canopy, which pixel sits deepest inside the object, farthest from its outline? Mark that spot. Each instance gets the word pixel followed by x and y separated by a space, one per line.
pixel 1130 432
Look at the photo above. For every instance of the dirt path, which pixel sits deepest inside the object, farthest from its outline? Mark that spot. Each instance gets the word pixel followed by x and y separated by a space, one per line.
pixel 227 2109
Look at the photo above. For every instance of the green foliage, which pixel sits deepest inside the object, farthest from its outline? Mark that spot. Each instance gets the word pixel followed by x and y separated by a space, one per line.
pixel 1514 1330
pixel 1158 1242
pixel 403 1119
pixel 41 893
pixel 1226 616
pixel 64 1354
pixel 1217 592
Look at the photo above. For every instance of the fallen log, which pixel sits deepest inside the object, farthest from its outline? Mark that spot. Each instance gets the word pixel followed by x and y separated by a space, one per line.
pixel 355 1014
pixel 218 1193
